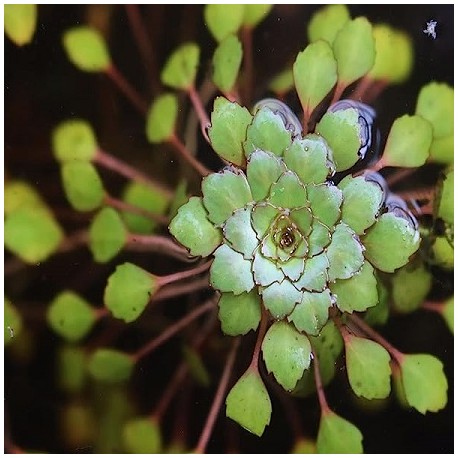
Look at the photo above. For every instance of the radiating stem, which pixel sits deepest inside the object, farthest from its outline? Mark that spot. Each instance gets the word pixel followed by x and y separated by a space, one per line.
pixel 200 111
pixel 247 40
pixel 181 290
pixel 319 386
pixel 158 244
pixel 74 241
pixel 188 157
pixel 166 280
pixel 338 93
pixel 261 333
pixel 434 306
pixel 399 175
pixel 363 85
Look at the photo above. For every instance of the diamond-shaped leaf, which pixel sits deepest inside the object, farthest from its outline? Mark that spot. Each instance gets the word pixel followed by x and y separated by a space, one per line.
pixel 108 365
pixel 262 218
pixel 223 20
pixel 142 435
pixel 239 314
pixel 248 403
pixel 368 367
pixel 379 314
pixel 287 353
pixel 12 322
pixel 265 271
pixel 254 13
pixel 226 63
pixel 293 268
pixel 20 194
pixel 239 233
pixel 326 22
pixel 320 237
pixel 225 192
pixel 325 201
pixel 128 291
pixel 288 192
pixel 180 69
pixel 442 150
pixel 283 82
pixel 161 118
pixel 20 22
pixel 72 371
pixel 315 276
pixel 280 298
pixel 192 228
pixel 229 123
pixel 196 366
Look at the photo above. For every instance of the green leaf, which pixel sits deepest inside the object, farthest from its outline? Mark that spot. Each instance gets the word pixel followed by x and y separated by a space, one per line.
pixel 435 104
pixel 445 198
pixel 408 142
pixel 283 82
pixel 230 273
pixel 142 196
pixel 248 403
pixel 345 253
pixel 424 382
pixel 304 446
pixel 83 185
pixel 161 118
pixel 341 130
pixel 20 194
pixel 225 192
pixel 192 228
pixel 354 50
pixel 325 201
pixel 379 314
pixel 280 298
pixel 442 150
pixel 86 49
pixel 239 233
pixel 443 253
pixel 254 13
pixel 32 234
pixel 326 22
pixel 286 353
pixel 226 63
pixel 288 192
pixel 267 132
pixel 12 322
pixel 337 435
pixel 223 20
pixel 74 140
pixel 368 367
pixel 319 239
pixel 70 316
pixel 239 314
pixel 314 277
pixel 448 313
pixel 180 70
pixel 72 371
pixel 361 202
pixel 20 22
pixel 410 286
pixel 265 271
pixel 142 435
pixel 357 293
pixel 196 366
pixel 128 291
pixel 312 313
pixel 315 74
pixel 390 242
pixel 107 235
pixel 229 123
pixel 180 197
pixel 113 366
pixel 310 158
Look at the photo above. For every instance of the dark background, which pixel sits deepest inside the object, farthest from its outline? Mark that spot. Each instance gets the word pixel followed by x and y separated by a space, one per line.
pixel 42 88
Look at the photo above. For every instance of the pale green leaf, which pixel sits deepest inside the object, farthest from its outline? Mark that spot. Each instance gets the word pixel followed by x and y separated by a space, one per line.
pixel 161 118
pixel 180 69
pixel 20 22
pixel 226 63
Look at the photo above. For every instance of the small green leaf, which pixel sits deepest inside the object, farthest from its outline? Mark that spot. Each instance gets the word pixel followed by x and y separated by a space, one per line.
pixel 354 50
pixel 445 198
pixel 229 123
pixel 239 314
pixel 248 403
pixel 20 194
pixel 192 228
pixel 230 273
pixel 315 74
pixel 280 298
pixel 74 140
pixel 442 150
pixel 20 22
pixel 254 13
pixel 286 353
pixel 142 435
pixel 379 314
pixel 283 82
pixel 267 132
pixel 435 104
pixel 341 130
pixel 72 368
pixel 225 192
pixel 368 367
pixel 180 197
pixel 312 313
pixel 226 63
pixel 32 234
pixel 448 313
pixel 12 322
pixel 265 271
pixel 70 316
pixel 161 118
pixel 83 185
pixel 424 382
pixel 320 237
pixel 223 20
pixel 128 291
pixel 361 202
pixel 142 196
pixel 107 235
pixel 107 365
pixel 443 253
pixel 196 366
pixel 86 49
pixel 345 253
pixel 325 201
pixel 239 233
pixel 390 242
pixel 410 286
pixel 357 293
pixel 326 23
pixel 314 277
pixel 408 142
pixel 288 192
pixel 337 435
pixel 180 70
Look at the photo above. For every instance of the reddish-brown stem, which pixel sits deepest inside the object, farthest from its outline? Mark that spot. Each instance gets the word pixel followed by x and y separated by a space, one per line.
pixel 433 306
pixel 74 241
pixel 338 92
pixel 319 386
pixel 396 354
pixel 257 348
pixel 248 69
pixel 101 312
pixel 174 329
pixel 116 165
pixel 167 279
pixel 181 290
pixel 157 244
pixel 218 400
pixel 375 90
pixel 418 194
pixel 306 120
pixel 359 93
pixel 188 157
pixel 399 175
pixel 200 111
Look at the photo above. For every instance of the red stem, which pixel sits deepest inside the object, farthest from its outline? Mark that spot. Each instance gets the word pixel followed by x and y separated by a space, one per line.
pixel 74 241
pixel 247 40
pixel 181 290
pixel 432 306
pixel 158 244
pixel 200 111
pixel 162 281
pixel 338 92
pixel 399 175
pixel 359 93
pixel 319 386
pixel 257 348
pixel 188 157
